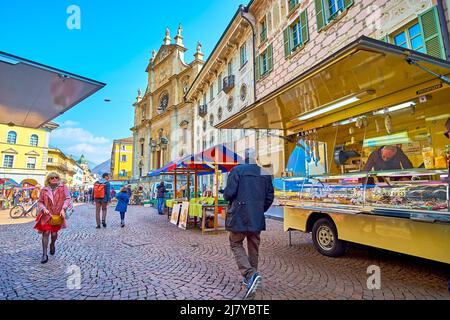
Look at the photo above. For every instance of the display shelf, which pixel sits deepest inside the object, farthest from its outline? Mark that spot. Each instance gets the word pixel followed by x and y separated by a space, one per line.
pixel 390 197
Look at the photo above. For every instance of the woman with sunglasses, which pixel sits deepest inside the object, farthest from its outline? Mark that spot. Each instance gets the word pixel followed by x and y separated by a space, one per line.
pixel 53 202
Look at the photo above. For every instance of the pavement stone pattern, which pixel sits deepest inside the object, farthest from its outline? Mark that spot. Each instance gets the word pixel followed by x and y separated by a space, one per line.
pixel 151 259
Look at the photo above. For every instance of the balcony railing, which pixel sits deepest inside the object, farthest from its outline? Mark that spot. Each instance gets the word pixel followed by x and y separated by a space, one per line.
pixel 202 110
pixel 228 84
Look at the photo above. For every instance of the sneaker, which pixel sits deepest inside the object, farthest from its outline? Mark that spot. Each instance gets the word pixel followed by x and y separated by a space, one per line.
pixel 97 227
pixel 44 259
pixel 52 248
pixel 122 224
pixel 104 224
pixel 253 284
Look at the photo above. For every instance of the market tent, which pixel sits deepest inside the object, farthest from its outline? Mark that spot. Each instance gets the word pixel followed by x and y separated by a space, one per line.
pixel 9 183
pixel 204 162
pixel 215 160
pixel 164 169
pixel 30 182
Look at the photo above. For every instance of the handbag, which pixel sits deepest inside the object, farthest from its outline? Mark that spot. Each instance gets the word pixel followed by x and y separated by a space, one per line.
pixel 56 220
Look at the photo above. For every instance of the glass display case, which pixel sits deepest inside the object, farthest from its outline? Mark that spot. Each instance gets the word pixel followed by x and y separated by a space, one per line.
pixel 397 193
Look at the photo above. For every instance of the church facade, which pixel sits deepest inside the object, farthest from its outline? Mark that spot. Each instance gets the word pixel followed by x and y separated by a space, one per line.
pixel 163 122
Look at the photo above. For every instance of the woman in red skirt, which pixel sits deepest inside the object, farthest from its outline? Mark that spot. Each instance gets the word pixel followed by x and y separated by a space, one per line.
pixel 53 202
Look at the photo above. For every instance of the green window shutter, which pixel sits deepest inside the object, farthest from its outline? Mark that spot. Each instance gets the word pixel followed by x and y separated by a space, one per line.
pixel 287 41
pixel 304 26
pixel 385 39
pixel 320 14
pixel 348 3
pixel 257 67
pixel 431 30
pixel 270 57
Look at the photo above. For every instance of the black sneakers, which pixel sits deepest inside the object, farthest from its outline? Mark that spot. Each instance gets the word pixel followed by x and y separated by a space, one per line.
pixel 97 227
pixel 44 259
pixel 104 224
pixel 52 249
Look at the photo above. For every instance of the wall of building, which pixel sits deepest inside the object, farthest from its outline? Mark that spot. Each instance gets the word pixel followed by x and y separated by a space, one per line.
pixel 21 151
pixel 121 149
pixel 374 19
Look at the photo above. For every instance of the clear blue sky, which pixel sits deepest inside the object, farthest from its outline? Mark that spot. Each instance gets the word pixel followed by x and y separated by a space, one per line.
pixel 113 46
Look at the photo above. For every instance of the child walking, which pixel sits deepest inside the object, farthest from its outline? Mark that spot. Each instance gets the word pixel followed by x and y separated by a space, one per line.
pixel 122 204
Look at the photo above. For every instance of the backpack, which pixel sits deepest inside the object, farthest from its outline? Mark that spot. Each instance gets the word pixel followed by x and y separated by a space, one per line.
pixel 99 190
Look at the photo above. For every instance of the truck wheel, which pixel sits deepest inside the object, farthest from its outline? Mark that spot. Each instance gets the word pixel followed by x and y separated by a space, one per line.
pixel 325 238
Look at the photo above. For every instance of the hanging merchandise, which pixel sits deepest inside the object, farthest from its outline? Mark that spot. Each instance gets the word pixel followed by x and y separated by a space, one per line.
pixel 388 123
pixel 308 150
pixel 351 131
pixel 377 126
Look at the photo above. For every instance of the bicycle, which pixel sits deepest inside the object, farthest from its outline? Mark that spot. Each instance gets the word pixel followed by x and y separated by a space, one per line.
pixel 19 211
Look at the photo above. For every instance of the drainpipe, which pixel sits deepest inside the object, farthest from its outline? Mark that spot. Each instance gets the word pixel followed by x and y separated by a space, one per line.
pixel 248 17
pixel 444 28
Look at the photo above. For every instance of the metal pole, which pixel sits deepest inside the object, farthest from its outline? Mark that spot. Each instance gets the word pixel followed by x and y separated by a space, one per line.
pixel 216 199
pixel 188 191
pixel 175 186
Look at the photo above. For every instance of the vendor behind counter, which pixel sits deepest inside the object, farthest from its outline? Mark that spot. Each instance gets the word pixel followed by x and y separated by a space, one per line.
pixel 388 158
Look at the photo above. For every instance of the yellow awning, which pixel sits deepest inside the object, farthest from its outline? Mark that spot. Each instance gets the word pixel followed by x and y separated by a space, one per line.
pixel 368 69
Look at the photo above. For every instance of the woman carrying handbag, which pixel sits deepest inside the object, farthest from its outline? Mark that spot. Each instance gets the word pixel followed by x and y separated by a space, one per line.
pixel 52 205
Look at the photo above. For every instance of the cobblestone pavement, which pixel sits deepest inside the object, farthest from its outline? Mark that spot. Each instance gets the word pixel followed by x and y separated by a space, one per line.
pixel 152 259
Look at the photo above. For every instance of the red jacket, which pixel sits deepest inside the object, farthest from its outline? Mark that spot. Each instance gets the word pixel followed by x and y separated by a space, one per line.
pixel 53 201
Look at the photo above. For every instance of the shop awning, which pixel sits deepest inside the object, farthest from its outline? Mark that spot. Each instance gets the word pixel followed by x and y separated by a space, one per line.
pixel 365 70
pixel 32 94
pixel 8 183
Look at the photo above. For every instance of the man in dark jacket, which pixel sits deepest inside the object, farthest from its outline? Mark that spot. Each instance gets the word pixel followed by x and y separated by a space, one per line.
pixel 250 193
pixel 160 196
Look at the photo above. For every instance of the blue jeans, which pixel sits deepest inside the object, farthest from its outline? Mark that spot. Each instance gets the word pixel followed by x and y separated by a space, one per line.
pixel 122 216
pixel 161 202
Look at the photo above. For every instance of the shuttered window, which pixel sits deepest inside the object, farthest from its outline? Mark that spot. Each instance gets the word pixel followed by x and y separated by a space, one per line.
pixel 297 34
pixel 264 63
pixel 422 35
pixel 432 35
pixel 292 4
pixel 219 83
pixel 263 33
pixel 328 10
pixel 258 67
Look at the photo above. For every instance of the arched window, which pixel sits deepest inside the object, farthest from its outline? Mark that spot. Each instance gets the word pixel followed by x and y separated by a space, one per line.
pixel 34 139
pixel 12 137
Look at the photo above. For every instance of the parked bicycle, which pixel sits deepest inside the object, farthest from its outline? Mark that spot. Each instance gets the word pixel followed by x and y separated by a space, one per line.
pixel 19 211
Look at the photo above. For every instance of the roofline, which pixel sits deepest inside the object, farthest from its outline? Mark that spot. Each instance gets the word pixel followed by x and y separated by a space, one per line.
pixel 217 44
pixel 52 69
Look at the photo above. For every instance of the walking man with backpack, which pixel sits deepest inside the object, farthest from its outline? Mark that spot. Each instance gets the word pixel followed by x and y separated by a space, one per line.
pixel 102 195
pixel 250 193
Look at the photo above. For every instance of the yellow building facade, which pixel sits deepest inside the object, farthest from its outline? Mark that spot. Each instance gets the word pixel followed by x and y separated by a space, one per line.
pixel 24 152
pixel 122 159
pixel 60 163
